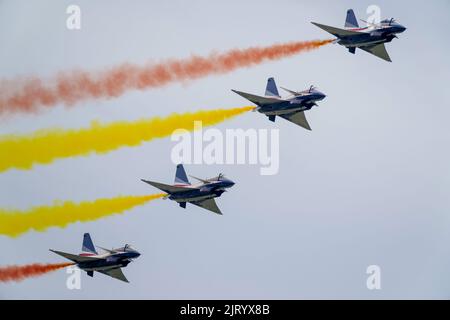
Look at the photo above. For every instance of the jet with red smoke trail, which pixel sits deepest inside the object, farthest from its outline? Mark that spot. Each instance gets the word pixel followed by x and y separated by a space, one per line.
pixel 291 108
pixel 109 263
pixel 370 38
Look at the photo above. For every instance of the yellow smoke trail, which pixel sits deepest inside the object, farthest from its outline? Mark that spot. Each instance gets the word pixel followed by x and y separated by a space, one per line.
pixel 44 146
pixel 16 222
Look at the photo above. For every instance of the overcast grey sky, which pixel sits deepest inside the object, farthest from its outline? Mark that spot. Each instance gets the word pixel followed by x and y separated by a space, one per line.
pixel 369 185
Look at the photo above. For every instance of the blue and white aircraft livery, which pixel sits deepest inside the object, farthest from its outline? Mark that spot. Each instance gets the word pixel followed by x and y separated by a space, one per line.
pixel 110 262
pixel 370 38
pixel 201 194
pixel 291 108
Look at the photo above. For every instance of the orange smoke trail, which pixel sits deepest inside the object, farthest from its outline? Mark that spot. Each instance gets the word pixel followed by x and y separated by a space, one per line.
pixel 30 95
pixel 19 273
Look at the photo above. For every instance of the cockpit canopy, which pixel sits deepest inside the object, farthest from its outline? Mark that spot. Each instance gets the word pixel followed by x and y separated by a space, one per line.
pixel 389 22
pixel 314 90
pixel 127 248
pixel 311 89
pixel 220 177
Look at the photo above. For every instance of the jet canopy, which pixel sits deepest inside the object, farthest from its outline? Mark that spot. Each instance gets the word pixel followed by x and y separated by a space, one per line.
pixel 389 22
pixel 127 248
pixel 312 89
pixel 220 177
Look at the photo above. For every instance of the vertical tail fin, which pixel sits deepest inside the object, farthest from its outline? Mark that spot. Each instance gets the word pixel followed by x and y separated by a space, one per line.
pixel 88 245
pixel 350 21
pixel 180 175
pixel 271 88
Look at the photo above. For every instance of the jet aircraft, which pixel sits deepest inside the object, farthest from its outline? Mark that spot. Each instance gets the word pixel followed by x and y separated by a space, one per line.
pixel 201 194
pixel 109 263
pixel 370 38
pixel 291 108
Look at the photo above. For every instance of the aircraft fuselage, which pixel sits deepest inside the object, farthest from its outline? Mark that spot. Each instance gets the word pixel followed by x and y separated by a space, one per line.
pixel 370 37
pixel 201 193
pixel 296 104
pixel 363 39
pixel 118 260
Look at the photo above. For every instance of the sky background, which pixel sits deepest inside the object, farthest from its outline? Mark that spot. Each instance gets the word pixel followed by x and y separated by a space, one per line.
pixel 369 185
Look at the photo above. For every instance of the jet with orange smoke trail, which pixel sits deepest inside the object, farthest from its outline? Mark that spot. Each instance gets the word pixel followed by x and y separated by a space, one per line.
pixel 109 263
pixel 291 108
pixel 370 39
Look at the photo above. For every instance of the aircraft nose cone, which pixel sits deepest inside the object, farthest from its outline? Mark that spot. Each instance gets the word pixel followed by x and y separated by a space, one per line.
pixel 322 96
pixel 401 28
pixel 231 183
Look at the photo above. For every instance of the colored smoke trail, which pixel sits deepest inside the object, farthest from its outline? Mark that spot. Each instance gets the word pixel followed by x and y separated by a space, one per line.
pixel 19 273
pixel 44 146
pixel 30 95
pixel 16 222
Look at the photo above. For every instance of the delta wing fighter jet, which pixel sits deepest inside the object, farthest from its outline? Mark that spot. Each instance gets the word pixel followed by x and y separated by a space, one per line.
pixel 201 194
pixel 291 108
pixel 110 263
pixel 370 39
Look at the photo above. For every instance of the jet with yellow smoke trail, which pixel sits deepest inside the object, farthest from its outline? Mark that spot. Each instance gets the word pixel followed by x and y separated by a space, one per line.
pixel 292 108
pixel 109 263
pixel 201 194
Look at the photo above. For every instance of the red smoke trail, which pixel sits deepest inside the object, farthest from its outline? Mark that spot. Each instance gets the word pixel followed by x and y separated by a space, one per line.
pixel 19 273
pixel 30 95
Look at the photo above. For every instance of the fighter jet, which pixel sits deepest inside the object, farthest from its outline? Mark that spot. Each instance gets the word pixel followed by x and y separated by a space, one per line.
pixel 201 194
pixel 370 38
pixel 109 263
pixel 290 108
